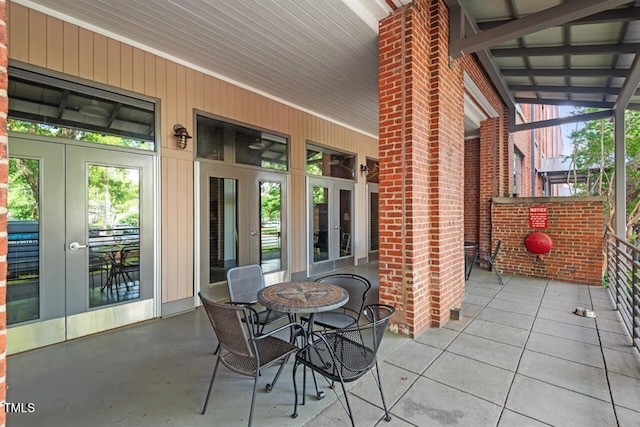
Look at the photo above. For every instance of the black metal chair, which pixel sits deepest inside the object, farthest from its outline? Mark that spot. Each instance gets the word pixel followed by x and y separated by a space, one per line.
pixel 490 259
pixel 244 283
pixel 345 355
pixel 348 315
pixel 242 350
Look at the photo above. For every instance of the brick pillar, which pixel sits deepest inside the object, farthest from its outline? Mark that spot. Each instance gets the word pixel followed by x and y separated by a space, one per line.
pixel 4 109
pixel 489 176
pixel 421 163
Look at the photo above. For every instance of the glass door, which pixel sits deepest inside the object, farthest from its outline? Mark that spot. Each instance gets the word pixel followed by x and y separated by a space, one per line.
pixel 80 241
pixel 242 221
pixel 330 224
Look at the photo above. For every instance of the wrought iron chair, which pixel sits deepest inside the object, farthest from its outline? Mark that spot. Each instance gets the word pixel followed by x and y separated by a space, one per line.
pixel 244 283
pixel 348 315
pixel 345 355
pixel 242 350
pixel 490 259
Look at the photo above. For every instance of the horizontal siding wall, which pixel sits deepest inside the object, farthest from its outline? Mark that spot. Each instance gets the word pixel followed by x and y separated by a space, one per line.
pixel 48 42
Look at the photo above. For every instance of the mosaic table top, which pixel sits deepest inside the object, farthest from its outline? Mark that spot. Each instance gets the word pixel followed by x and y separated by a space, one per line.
pixel 303 297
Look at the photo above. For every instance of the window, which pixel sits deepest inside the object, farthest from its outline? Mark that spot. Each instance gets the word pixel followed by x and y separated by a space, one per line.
pixel 325 162
pixel 518 158
pixel 45 105
pixel 228 142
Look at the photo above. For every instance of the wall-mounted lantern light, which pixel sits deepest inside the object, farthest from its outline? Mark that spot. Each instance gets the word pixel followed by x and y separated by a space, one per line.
pixel 364 169
pixel 181 135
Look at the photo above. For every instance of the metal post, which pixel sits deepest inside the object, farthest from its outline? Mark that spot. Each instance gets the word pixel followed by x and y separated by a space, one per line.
pixel 634 296
pixel 620 184
pixel 615 281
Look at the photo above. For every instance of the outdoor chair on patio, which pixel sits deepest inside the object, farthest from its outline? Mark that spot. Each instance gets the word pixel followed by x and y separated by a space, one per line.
pixel 345 355
pixel 242 349
pixel 490 259
pixel 244 283
pixel 348 315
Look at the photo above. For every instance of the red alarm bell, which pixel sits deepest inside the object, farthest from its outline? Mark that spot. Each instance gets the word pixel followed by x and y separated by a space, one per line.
pixel 538 243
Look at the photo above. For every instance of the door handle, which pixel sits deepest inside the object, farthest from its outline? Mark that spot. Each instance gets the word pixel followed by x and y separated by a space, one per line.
pixel 336 227
pixel 74 246
pixel 254 233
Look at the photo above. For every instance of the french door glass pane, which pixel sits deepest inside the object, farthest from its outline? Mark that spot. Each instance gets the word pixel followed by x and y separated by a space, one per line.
pixel 270 226
pixel 320 224
pixel 345 222
pixel 223 220
pixel 374 236
pixel 23 257
pixel 113 219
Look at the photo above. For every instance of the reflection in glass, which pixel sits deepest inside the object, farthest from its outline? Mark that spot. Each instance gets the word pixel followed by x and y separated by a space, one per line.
pixel 223 219
pixel 374 233
pixel 270 226
pixel 320 224
pixel 23 256
pixel 324 162
pixel 113 219
pixel 345 222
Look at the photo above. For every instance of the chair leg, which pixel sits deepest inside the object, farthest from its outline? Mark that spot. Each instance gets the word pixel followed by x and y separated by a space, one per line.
pixel 213 377
pixel 270 386
pixel 253 397
pixel 295 390
pixel 346 399
pixel 387 416
pixel 495 270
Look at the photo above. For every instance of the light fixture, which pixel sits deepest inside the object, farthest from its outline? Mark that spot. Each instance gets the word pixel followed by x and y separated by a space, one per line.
pixel 94 110
pixel 364 169
pixel 182 135
pixel 258 145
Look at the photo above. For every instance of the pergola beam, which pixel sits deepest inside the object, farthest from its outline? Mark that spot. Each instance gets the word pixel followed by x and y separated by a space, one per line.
pixel 565 72
pixel 551 17
pixel 613 15
pixel 572 103
pixel 591 90
pixel 592 49
pixel 563 120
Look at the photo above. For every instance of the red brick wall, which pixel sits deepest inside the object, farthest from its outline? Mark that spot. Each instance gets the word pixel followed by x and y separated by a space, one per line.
pixel 4 109
pixel 575 224
pixel 471 190
pixel 421 156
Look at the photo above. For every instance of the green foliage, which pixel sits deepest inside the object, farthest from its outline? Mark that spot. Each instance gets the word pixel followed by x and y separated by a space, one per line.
pixel 113 196
pixel 270 199
pixel 594 146
pixel 34 128
pixel 23 194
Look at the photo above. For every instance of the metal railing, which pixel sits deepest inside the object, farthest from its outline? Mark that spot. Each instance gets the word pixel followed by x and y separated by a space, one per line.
pixel 623 276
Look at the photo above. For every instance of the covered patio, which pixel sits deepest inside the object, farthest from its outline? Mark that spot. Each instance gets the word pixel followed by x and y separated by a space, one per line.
pixel 519 356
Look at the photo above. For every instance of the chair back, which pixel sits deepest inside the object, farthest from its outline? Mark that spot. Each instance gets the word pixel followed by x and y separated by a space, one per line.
pixel 232 333
pixel 356 286
pixel 495 252
pixel 244 282
pixel 367 338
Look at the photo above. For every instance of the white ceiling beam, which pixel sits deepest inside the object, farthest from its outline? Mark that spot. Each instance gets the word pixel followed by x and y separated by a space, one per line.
pixel 552 17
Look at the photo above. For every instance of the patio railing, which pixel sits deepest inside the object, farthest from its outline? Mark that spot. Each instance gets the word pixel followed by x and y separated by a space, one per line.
pixel 623 276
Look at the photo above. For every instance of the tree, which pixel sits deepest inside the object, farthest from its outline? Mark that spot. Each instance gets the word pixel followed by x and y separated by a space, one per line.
pixel 594 146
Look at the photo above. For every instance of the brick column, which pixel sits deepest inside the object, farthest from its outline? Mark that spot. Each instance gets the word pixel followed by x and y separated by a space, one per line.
pixel 4 109
pixel 421 165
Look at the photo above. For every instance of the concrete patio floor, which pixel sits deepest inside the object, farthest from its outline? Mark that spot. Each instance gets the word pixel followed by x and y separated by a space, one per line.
pixel 518 357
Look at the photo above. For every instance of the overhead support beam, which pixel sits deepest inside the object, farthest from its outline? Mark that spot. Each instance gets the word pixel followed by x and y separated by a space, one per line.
pixel 565 72
pixel 613 15
pixel 572 103
pixel 563 120
pixel 630 86
pixel 592 49
pixel 551 17
pixel 591 90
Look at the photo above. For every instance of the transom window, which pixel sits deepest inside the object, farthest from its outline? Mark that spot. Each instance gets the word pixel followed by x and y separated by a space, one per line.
pixel 228 142
pixel 323 161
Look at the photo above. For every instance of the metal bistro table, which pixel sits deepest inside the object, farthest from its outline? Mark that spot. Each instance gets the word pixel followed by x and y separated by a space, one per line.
pixel 303 297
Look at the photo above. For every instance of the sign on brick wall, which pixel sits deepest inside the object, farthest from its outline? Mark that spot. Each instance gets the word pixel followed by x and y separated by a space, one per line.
pixel 538 217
